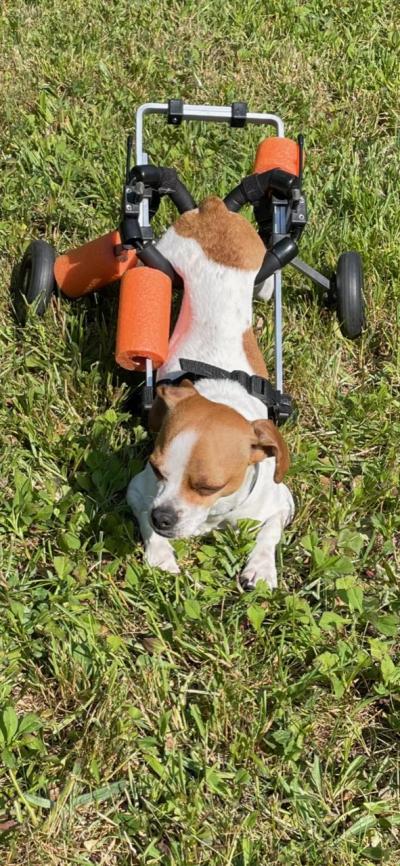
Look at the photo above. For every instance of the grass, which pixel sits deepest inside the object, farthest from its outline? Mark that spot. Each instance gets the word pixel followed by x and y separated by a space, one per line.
pixel 147 718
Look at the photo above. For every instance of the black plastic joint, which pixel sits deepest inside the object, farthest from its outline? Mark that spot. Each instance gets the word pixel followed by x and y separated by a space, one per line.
pixel 253 188
pixel 169 178
pixel 175 111
pixel 239 114
pixel 276 258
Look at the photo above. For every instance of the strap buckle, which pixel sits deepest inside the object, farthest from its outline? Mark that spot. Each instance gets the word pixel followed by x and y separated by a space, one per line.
pixel 262 388
pixel 147 397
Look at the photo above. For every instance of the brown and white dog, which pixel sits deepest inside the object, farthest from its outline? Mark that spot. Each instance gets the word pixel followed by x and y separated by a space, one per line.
pixel 217 458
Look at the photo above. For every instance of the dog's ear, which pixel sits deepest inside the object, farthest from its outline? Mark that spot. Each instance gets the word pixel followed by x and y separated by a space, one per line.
pixel 173 394
pixel 268 442
pixel 168 396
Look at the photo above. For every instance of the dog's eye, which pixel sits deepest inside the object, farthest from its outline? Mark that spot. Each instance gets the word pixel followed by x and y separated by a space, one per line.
pixel 157 473
pixel 206 490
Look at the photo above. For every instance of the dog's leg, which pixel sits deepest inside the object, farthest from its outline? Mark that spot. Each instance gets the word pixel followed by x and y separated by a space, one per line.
pixel 158 552
pixel 261 562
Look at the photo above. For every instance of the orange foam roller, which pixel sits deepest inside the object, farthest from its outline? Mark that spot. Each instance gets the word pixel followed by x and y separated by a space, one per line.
pixel 92 266
pixel 280 153
pixel 144 314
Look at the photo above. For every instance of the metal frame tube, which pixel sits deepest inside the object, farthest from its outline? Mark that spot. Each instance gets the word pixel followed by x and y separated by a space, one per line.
pixel 278 231
pixel 311 273
pixel 149 373
pixel 208 113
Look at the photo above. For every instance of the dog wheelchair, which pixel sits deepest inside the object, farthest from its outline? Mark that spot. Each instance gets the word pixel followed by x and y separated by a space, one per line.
pixel 273 190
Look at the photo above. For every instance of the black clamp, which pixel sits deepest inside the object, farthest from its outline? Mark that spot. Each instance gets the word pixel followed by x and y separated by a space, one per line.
pixel 147 397
pixel 239 114
pixel 175 111
pixel 133 235
pixel 299 213
pixel 284 409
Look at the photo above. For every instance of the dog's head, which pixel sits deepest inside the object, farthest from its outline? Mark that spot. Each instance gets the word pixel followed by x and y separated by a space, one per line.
pixel 203 452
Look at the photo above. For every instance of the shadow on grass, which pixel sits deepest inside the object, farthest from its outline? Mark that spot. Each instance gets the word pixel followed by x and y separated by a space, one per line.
pixel 99 470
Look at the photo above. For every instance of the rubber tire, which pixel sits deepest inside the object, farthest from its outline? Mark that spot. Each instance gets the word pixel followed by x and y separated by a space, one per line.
pixel 349 283
pixel 36 282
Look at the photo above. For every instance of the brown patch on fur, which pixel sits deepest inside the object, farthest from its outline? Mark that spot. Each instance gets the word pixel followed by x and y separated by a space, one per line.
pixel 220 455
pixel 219 458
pixel 253 353
pixel 226 238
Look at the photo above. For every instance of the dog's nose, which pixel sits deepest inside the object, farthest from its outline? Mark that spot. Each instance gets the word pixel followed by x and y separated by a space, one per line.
pixel 163 518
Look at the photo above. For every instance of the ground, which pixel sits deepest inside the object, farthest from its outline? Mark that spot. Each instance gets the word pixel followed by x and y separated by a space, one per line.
pixel 148 718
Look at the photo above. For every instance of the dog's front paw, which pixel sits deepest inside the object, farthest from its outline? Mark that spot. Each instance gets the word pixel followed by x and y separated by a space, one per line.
pixel 250 576
pixel 159 554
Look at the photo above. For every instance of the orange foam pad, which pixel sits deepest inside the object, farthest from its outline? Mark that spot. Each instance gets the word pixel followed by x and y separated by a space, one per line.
pixel 92 266
pixel 144 314
pixel 280 153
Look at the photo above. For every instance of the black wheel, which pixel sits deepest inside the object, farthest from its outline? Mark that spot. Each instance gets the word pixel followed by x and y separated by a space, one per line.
pixel 348 291
pixel 34 281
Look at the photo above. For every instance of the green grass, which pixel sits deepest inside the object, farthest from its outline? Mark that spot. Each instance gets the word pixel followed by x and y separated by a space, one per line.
pixel 147 718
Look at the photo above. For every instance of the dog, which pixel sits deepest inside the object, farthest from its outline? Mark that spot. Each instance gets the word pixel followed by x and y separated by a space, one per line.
pixel 217 457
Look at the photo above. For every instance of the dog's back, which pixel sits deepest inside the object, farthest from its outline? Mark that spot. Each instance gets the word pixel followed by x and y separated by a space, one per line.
pixel 218 254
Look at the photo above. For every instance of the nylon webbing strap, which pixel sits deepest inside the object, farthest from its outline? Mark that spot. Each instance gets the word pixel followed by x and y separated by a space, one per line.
pixel 257 386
